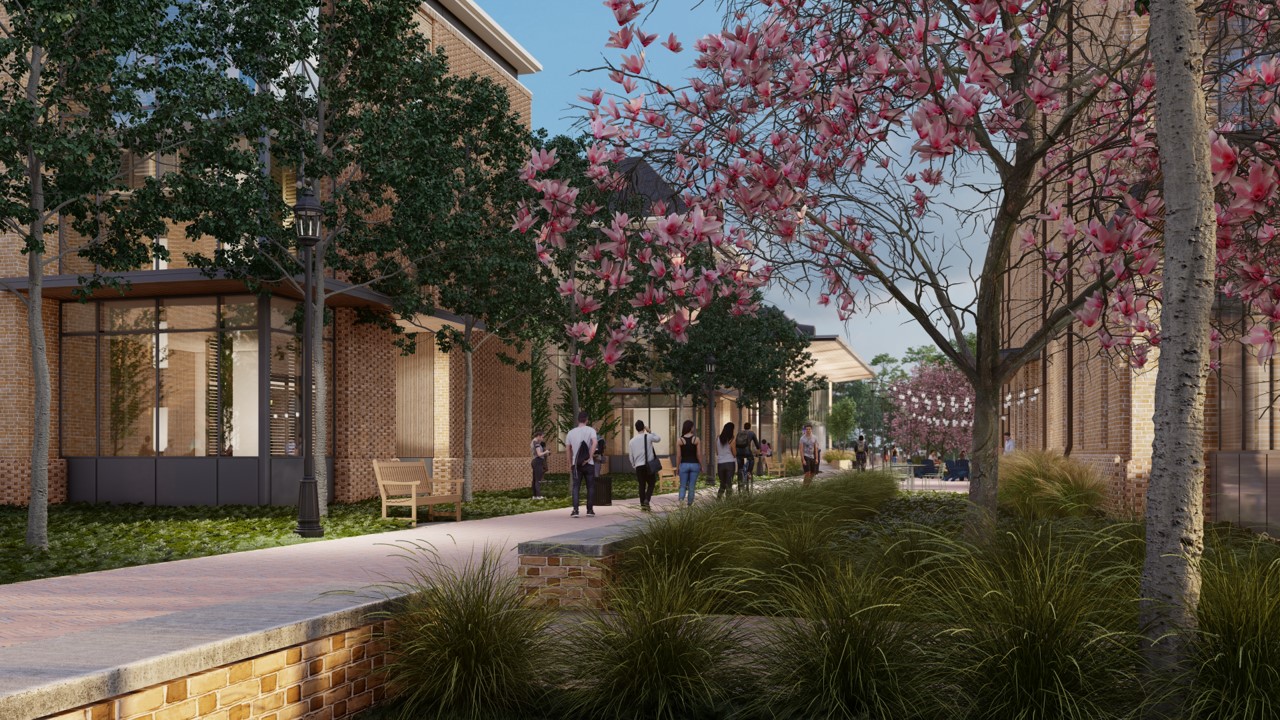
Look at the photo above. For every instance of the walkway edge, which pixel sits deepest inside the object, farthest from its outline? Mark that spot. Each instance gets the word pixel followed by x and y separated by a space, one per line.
pixel 41 699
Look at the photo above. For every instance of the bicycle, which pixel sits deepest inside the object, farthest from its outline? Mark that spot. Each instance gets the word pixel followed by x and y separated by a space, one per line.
pixel 745 476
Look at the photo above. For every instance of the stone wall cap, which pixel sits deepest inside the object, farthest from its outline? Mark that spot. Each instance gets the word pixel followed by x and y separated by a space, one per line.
pixel 588 542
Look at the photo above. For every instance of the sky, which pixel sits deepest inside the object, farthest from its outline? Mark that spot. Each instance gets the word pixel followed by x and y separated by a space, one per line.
pixel 568 36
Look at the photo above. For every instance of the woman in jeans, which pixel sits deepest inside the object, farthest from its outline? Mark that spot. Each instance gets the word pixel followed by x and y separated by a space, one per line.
pixel 538 448
pixel 690 462
pixel 724 461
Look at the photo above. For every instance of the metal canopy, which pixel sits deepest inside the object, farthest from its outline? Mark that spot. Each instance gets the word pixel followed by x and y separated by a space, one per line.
pixel 836 360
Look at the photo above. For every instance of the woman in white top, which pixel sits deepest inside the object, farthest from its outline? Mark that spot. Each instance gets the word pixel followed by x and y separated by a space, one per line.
pixel 725 463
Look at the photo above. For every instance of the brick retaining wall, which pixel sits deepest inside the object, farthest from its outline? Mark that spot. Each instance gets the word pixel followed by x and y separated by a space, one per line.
pixel 329 678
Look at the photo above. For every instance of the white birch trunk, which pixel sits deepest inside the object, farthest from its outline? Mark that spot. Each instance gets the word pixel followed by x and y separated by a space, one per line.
pixel 1175 495
pixel 38 503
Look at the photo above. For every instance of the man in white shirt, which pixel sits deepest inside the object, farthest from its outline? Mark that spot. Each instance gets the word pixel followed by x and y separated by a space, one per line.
pixel 1009 445
pixel 640 449
pixel 579 446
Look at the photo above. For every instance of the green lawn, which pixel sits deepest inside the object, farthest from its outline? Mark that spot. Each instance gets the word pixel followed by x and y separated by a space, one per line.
pixel 86 538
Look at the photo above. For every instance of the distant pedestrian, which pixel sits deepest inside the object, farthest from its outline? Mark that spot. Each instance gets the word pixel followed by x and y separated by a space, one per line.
pixel 579 447
pixel 640 450
pixel 746 453
pixel 860 452
pixel 766 452
pixel 690 462
pixel 538 450
pixel 724 460
pixel 809 454
pixel 1009 444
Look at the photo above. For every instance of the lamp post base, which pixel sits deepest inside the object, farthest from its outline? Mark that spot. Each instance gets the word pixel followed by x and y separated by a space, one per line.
pixel 308 509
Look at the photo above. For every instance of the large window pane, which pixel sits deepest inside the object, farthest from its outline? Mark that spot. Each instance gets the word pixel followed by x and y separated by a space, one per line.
pixel 189 314
pixel 240 312
pixel 189 395
pixel 286 400
pixel 286 314
pixel 238 386
pixel 79 421
pixel 128 385
pixel 129 315
pixel 79 317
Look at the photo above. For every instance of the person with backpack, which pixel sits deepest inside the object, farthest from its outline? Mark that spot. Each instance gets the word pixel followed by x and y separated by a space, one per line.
pixel 746 456
pixel 690 462
pixel 579 447
pixel 641 452
pixel 724 461
pixel 860 452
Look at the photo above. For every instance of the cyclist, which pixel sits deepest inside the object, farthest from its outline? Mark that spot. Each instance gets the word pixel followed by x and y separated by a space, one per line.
pixel 746 456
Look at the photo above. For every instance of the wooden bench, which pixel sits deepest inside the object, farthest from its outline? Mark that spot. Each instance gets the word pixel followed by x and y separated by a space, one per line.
pixel 406 484
pixel 668 477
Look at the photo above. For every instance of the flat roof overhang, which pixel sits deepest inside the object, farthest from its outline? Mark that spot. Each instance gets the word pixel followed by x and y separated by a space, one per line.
pixel 186 282
pixel 837 361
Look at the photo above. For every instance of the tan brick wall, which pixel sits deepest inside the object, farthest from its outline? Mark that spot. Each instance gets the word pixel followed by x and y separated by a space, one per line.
pixel 365 405
pixel 327 679
pixel 502 425
pixel 565 582
pixel 466 59
pixel 17 404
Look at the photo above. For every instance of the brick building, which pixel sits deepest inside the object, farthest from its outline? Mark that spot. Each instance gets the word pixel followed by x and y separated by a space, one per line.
pixel 1075 399
pixel 186 390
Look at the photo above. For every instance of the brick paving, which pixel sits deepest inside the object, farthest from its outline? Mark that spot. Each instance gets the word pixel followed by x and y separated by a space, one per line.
pixel 39 610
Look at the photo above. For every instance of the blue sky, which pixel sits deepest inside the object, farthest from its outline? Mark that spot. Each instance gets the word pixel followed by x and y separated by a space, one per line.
pixel 568 36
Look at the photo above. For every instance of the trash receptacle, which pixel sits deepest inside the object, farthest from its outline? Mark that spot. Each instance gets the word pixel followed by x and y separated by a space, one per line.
pixel 604 483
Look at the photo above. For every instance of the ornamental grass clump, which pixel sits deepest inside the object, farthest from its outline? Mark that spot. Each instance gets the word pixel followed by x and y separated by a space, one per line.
pixel 840 647
pixel 1037 484
pixel 462 643
pixel 660 652
pixel 1236 674
pixel 1038 625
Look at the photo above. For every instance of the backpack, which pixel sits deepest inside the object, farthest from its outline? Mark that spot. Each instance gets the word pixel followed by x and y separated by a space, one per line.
pixel 743 441
pixel 583 455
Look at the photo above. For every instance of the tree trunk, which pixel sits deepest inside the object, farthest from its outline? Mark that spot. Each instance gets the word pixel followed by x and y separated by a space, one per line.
pixel 320 411
pixel 1175 494
pixel 984 462
pixel 38 503
pixel 468 416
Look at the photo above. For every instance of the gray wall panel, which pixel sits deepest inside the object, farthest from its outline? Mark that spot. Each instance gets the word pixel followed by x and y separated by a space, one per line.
pixel 127 480
pixel 1253 490
pixel 82 480
pixel 238 481
pixel 1226 487
pixel 187 481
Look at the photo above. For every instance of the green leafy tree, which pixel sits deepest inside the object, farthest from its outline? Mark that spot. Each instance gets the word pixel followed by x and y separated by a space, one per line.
pixel 83 86
pixel 354 102
pixel 796 406
pixel 842 420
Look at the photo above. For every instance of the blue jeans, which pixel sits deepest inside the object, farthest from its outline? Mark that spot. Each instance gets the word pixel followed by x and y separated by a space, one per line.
pixel 689 479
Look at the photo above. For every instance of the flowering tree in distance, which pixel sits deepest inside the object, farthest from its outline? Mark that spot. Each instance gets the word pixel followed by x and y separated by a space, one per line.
pixel 933 411
pixel 932 154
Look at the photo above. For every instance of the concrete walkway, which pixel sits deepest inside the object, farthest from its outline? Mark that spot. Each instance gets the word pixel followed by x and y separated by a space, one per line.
pixel 57 630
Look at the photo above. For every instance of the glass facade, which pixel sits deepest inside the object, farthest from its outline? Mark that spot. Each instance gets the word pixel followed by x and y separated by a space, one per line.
pixel 183 377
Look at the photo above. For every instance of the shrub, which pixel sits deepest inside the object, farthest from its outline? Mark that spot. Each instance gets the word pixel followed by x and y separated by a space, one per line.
pixel 831 456
pixel 840 648
pixel 463 644
pixel 1042 484
pixel 659 652
pixel 1237 670
pixel 1037 626
pixel 791 465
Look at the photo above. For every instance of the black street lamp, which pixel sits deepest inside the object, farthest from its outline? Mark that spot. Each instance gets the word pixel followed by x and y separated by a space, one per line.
pixel 306 221
pixel 711 415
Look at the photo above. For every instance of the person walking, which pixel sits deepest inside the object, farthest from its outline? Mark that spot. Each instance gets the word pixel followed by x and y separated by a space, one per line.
pixel 1009 444
pixel 579 447
pixel 809 454
pixel 640 450
pixel 766 452
pixel 746 455
pixel 860 452
pixel 538 449
pixel 690 462
pixel 724 461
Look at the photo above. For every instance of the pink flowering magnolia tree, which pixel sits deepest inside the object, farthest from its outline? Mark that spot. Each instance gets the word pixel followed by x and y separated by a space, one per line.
pixel 933 410
pixel 931 155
